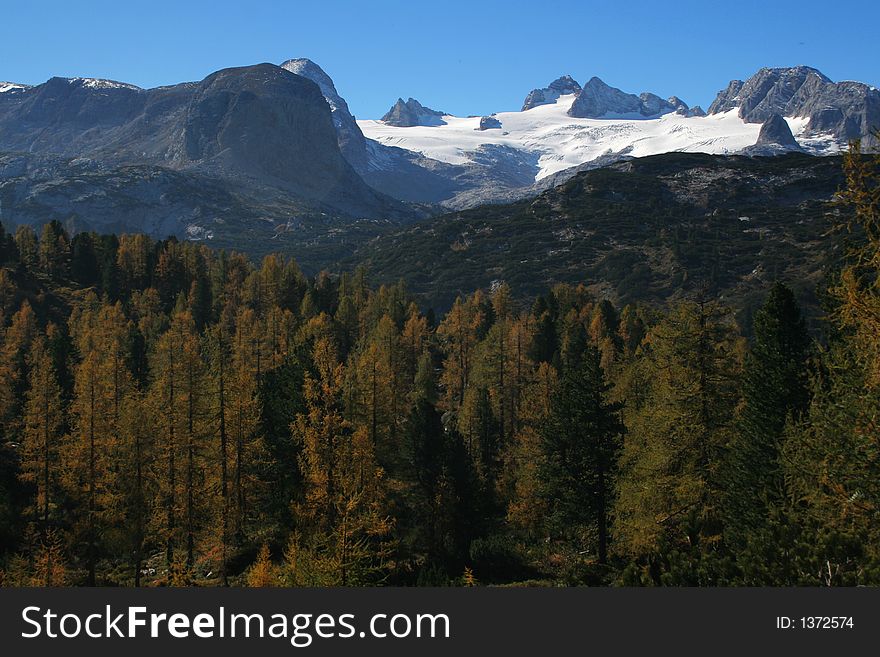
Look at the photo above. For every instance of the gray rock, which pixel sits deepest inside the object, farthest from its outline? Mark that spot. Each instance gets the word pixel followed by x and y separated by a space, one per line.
pixel 351 139
pixel 550 94
pixel 846 110
pixel 257 126
pixel 489 122
pixel 775 138
pixel 597 100
pixel 412 113
pixel 775 130
pixel 680 106
pixel 727 99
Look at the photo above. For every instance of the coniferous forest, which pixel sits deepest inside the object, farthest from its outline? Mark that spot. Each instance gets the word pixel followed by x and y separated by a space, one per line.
pixel 173 415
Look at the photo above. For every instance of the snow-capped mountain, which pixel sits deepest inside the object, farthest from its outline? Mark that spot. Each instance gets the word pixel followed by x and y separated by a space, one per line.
pixel 837 110
pixel 563 86
pixel 350 138
pixel 12 86
pixel 557 141
pixel 406 114
pixel 566 127
pixel 288 128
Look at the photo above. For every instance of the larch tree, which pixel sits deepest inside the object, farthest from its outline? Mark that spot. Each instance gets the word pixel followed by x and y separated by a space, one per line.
pixel 676 435
pixel 342 526
pixel 43 423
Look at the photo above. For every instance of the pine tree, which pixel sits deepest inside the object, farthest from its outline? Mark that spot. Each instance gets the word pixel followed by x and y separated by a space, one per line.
pixel 831 456
pixel 460 333
pixel 579 447
pixel 137 488
pixel 88 455
pixel 28 246
pixel 248 363
pixel 54 251
pixel 775 390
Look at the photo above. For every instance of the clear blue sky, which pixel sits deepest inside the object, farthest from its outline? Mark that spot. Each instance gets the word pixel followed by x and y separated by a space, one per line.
pixel 470 57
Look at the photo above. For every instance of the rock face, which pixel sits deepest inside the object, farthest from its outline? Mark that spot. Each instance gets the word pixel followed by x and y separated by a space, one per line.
pixel 845 110
pixel 256 125
pixel 775 138
pixel 412 113
pixel 775 131
pixel 488 123
pixel 74 118
pixel 269 123
pixel 550 94
pixel 682 109
pixel 351 139
pixel 597 100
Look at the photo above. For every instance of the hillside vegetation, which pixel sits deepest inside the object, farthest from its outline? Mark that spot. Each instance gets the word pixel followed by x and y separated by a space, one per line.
pixel 650 229
pixel 176 415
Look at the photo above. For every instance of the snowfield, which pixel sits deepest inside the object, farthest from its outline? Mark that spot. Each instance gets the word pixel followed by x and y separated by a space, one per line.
pixel 97 83
pixel 562 142
pixel 11 86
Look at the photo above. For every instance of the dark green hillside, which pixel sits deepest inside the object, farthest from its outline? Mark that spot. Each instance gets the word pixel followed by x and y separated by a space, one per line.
pixel 647 229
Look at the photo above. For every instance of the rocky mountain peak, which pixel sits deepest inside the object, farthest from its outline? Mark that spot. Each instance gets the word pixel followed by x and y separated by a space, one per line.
pixel 12 86
pixel 309 69
pixel 561 86
pixel 350 138
pixel 775 130
pixel 409 113
pixel 598 100
pixel 845 110
pixel 775 138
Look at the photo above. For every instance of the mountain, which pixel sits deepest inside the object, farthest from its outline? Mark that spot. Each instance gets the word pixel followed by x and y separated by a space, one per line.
pixel 829 111
pixel 261 131
pixel 775 138
pixel 563 86
pixel 350 138
pixel 563 129
pixel 642 230
pixel 599 101
pixel 411 113
pixel 283 142
pixel 11 86
pixel 502 165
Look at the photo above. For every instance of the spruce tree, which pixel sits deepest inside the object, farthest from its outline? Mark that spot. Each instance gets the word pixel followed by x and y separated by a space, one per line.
pixel 774 389
pixel 580 443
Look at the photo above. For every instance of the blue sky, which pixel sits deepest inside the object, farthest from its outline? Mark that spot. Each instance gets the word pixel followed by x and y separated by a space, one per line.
pixel 471 57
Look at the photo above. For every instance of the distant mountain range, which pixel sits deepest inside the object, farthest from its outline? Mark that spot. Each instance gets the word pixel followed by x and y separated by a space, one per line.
pixel 260 150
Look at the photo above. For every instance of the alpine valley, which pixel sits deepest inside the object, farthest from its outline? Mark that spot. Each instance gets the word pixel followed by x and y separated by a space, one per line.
pixel 584 179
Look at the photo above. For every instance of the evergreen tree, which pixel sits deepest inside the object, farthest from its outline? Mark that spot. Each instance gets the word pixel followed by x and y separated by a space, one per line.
pixel 579 445
pixel 775 390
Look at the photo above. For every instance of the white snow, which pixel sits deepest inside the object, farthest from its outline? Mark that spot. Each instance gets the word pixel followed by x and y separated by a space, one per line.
pixel 11 86
pixel 561 141
pixel 97 83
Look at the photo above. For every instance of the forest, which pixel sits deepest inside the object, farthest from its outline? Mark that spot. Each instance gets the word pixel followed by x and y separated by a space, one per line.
pixel 173 415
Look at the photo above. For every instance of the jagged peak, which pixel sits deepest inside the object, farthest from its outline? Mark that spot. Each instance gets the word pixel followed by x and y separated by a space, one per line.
pixel 410 112
pixel 562 86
